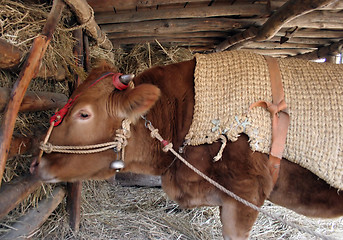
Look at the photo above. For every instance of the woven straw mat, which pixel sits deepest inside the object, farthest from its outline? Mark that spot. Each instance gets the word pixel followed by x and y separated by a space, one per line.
pixel 227 83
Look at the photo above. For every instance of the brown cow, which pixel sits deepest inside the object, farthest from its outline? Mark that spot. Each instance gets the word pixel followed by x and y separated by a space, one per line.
pixel 166 95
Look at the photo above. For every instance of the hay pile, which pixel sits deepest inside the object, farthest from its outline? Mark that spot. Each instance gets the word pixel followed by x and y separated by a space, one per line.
pixel 115 212
pixel 110 211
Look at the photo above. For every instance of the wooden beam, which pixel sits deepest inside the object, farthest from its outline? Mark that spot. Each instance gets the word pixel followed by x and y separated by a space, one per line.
pixel 338 5
pixel 278 52
pixel 289 11
pixel 14 192
pixel 119 5
pixel 277 45
pixel 25 227
pixel 323 52
pixel 164 39
pixel 247 34
pixel 188 12
pixel 177 25
pixel 34 101
pixel 314 33
pixel 189 35
pixel 29 70
pixel 302 40
pixel 85 16
pixel 10 55
pixel 318 20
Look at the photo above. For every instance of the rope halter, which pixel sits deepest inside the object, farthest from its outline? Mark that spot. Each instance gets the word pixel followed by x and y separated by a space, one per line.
pixel 118 145
pixel 120 82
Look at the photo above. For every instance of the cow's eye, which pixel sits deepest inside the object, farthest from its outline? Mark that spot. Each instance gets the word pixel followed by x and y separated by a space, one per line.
pixel 84 115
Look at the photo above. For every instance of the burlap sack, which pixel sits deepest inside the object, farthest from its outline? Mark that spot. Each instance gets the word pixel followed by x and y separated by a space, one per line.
pixel 227 83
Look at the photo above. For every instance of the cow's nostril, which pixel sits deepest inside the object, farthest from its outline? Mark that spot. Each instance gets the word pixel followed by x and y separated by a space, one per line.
pixel 34 166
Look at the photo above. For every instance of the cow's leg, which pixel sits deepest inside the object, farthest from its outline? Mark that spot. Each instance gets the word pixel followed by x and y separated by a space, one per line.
pixel 237 220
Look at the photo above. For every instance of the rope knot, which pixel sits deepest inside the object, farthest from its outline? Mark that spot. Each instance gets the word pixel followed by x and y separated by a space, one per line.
pixel 167 147
pixel 154 133
pixel 46 147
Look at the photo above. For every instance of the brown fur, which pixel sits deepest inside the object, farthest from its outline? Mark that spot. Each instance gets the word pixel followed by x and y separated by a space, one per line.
pixel 240 170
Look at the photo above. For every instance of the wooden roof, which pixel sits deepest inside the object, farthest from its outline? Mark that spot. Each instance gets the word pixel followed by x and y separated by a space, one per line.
pixel 210 25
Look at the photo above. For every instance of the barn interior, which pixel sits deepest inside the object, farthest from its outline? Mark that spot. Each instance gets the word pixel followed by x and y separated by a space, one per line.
pixel 134 35
pixel 277 28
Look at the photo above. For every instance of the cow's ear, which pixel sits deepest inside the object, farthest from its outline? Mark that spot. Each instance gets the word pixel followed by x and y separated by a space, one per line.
pixel 132 103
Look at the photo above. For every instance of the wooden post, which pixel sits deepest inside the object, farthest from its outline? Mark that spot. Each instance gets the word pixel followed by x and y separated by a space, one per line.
pixel 11 194
pixel 73 204
pixel 34 101
pixel 87 62
pixel 25 226
pixel 28 71
pixel 74 189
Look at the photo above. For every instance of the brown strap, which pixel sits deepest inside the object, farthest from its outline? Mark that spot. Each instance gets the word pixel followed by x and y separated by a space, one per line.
pixel 280 119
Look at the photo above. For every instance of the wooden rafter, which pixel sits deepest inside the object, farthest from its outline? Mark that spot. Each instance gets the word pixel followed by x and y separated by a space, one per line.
pixel 289 11
pixel 331 50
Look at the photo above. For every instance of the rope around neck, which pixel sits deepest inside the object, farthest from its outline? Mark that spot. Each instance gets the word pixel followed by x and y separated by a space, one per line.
pixel 169 147
pixel 119 143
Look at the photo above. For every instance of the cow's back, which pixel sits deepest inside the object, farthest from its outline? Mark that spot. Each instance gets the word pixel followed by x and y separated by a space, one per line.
pixel 226 84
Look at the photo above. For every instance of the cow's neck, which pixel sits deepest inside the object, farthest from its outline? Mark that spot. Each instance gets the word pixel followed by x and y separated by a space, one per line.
pixel 171 115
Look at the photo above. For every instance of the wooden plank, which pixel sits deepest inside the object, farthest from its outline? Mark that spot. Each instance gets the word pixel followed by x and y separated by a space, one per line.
pixel 319 20
pixel 28 71
pixel 215 34
pixel 303 40
pixel 133 4
pixel 315 33
pixel 277 45
pixel 25 226
pixel 334 6
pixel 175 40
pixel 34 101
pixel 178 25
pixel 10 55
pixel 278 52
pixel 188 12
pixel 14 192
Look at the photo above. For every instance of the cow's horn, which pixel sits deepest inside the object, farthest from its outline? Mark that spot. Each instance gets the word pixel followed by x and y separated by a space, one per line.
pixel 126 79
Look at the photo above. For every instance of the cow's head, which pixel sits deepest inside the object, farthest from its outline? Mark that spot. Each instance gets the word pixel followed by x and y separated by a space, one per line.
pixel 93 117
